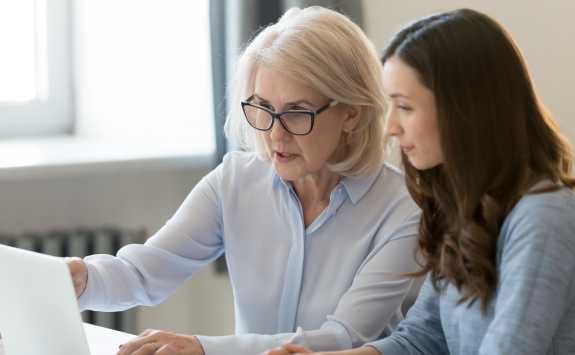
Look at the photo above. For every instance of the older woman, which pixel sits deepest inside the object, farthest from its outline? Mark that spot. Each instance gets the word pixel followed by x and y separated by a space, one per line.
pixel 317 231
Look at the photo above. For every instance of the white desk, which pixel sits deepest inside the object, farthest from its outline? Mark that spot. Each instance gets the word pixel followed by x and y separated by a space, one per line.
pixel 102 341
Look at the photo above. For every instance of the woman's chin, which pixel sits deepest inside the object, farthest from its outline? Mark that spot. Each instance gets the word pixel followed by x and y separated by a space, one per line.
pixel 287 172
pixel 423 165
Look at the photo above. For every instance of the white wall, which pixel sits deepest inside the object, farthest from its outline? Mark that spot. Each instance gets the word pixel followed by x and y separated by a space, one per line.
pixel 544 30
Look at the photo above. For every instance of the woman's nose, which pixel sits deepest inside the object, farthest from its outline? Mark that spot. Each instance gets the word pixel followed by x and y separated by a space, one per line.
pixel 278 132
pixel 393 126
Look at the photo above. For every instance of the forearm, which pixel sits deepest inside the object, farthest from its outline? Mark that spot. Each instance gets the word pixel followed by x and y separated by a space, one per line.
pixel 111 286
pixel 328 338
pixel 146 274
pixel 139 275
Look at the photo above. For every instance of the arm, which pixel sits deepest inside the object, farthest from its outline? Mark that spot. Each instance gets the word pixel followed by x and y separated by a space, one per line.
pixel 420 333
pixel 536 280
pixel 362 313
pixel 147 274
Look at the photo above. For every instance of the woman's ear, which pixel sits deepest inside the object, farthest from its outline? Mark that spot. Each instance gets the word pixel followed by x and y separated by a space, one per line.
pixel 351 121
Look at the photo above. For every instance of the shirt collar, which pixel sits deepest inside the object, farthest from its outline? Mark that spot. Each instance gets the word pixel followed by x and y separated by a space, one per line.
pixel 278 181
pixel 355 186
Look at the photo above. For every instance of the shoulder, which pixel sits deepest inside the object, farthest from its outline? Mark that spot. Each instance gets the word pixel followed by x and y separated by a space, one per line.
pixel 240 159
pixel 544 209
pixel 393 173
pixel 542 219
pixel 240 174
pixel 389 201
pixel 390 186
pixel 390 181
pixel 238 166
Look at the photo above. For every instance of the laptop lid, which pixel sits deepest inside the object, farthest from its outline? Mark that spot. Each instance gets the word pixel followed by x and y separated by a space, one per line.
pixel 38 309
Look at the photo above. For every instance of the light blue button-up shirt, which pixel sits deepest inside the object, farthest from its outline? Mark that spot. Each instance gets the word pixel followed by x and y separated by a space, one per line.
pixel 335 280
pixel 533 311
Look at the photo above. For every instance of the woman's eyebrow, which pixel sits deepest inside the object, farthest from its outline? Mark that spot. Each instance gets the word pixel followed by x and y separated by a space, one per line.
pixel 259 98
pixel 398 95
pixel 299 102
pixel 291 103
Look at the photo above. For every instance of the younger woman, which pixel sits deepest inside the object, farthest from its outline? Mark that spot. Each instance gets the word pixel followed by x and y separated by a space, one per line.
pixel 491 172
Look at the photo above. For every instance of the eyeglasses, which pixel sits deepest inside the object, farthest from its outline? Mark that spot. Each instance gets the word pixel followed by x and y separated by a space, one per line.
pixel 298 122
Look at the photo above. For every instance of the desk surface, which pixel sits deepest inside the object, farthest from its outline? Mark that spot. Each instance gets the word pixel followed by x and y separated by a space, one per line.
pixel 102 341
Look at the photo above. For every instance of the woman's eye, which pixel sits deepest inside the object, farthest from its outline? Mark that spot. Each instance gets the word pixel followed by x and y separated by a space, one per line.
pixel 404 108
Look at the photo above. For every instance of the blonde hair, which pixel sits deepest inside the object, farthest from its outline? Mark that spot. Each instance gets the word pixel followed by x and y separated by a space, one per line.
pixel 328 52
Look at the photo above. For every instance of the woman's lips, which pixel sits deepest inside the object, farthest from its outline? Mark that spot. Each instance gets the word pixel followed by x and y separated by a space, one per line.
pixel 284 157
pixel 407 148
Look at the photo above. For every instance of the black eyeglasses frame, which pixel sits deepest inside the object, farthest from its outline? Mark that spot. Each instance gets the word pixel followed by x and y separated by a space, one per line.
pixel 278 115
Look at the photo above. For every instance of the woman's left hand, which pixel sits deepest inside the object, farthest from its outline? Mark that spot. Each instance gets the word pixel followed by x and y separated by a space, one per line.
pixel 157 342
pixel 287 349
pixel 291 349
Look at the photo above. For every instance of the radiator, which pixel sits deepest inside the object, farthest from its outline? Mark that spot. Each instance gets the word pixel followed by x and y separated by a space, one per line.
pixel 82 242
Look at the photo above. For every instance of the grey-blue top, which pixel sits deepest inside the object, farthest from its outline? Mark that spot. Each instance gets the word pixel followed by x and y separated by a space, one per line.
pixel 533 311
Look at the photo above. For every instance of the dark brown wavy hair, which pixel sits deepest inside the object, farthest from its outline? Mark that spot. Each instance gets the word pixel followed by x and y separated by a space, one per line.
pixel 497 140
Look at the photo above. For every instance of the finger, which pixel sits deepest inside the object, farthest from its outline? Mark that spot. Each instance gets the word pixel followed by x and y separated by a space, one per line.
pixel 148 332
pixel 78 273
pixel 147 349
pixel 72 265
pixel 78 285
pixel 293 348
pixel 168 349
pixel 135 344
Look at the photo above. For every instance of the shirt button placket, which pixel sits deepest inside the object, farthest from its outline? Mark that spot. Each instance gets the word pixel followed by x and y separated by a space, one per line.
pixel 293 275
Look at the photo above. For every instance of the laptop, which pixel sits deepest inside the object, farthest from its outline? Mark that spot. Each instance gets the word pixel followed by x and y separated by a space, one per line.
pixel 39 313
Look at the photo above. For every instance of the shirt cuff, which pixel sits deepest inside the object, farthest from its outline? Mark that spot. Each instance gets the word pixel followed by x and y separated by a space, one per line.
pixel 331 336
pixel 85 299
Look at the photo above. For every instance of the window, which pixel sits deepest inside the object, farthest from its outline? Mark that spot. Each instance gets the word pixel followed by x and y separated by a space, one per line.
pixel 130 71
pixel 35 90
pixel 144 72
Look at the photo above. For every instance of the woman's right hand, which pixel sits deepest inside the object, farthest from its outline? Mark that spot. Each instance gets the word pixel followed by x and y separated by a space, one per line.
pixel 79 272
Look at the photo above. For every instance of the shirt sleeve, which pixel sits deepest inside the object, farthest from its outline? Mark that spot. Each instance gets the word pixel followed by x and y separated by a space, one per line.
pixel 363 312
pixel 536 281
pixel 147 274
pixel 420 333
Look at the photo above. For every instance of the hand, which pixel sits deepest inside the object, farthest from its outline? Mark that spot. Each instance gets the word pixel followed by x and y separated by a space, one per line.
pixel 157 342
pixel 290 349
pixel 79 272
pixel 287 349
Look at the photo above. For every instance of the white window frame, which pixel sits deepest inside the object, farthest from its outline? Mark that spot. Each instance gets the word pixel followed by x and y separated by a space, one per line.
pixel 52 111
